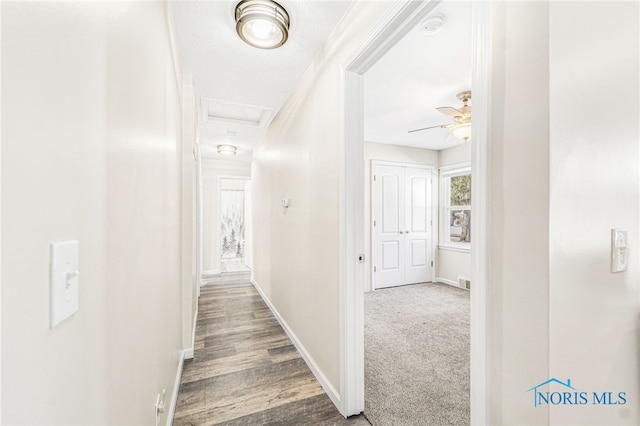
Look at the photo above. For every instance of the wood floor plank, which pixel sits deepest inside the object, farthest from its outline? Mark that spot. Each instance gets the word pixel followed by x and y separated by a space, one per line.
pixel 317 411
pixel 219 366
pixel 245 369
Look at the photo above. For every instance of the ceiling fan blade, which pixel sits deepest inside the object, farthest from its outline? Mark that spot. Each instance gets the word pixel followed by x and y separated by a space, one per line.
pixel 427 128
pixel 450 112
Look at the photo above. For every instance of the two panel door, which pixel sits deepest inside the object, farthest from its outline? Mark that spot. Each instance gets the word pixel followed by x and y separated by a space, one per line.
pixel 402 224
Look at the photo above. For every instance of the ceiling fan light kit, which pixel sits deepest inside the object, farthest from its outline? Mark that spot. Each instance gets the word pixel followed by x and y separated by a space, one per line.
pixel 461 127
pixel 262 23
pixel 226 149
pixel 461 131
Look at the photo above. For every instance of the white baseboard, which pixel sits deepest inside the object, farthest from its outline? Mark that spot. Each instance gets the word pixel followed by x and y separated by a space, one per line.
pixel 324 382
pixel 206 274
pixel 447 281
pixel 176 389
pixel 188 352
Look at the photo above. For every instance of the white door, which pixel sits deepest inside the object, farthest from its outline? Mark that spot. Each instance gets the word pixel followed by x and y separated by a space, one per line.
pixel 417 234
pixel 388 221
pixel 401 225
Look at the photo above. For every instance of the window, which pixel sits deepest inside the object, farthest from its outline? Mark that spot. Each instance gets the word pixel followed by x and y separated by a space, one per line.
pixel 455 211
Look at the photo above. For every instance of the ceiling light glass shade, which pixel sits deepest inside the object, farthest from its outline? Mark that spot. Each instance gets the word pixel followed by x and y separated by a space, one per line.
pixel 262 23
pixel 226 149
pixel 461 131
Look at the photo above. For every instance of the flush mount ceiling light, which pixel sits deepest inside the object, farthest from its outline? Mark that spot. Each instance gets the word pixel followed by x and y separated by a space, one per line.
pixel 226 149
pixel 262 23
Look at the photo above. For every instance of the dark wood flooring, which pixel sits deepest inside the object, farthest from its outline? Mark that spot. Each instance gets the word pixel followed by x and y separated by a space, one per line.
pixel 245 370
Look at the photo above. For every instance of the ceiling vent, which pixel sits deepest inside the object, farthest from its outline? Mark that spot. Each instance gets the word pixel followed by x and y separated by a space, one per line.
pixel 217 111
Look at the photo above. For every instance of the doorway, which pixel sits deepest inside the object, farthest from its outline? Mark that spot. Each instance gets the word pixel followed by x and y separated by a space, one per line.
pixel 399 20
pixel 233 225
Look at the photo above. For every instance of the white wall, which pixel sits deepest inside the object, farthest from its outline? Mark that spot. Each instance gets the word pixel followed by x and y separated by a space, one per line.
pixel 594 187
pixel 188 214
pixel 453 264
pixel 91 151
pixel 564 171
pixel 518 302
pixel 387 152
pixel 212 170
pixel 296 249
pixel 299 159
pixel 455 155
pixel 232 184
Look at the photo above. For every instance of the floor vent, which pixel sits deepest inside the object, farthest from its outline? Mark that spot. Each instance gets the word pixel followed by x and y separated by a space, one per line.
pixel 464 283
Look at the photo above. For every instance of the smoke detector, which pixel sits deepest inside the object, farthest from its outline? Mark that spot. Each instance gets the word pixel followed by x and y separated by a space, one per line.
pixel 432 25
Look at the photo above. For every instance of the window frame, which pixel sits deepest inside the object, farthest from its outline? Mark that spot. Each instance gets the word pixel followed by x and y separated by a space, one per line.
pixel 446 173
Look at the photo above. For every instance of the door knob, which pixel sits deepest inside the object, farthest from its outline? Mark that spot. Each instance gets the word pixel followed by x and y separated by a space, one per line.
pixel 400 232
pixel 406 232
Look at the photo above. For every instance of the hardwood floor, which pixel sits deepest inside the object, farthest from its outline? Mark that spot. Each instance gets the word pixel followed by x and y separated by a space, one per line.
pixel 245 370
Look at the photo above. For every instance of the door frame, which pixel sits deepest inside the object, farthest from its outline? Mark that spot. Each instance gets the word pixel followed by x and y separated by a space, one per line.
pixel 402 16
pixel 433 212
pixel 199 220
pixel 218 214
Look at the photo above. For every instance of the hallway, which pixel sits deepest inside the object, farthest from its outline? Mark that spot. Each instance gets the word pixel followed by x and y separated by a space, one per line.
pixel 245 369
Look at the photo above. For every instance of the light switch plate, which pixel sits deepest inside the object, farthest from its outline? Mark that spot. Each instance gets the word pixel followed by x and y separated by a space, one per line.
pixel 64 281
pixel 619 255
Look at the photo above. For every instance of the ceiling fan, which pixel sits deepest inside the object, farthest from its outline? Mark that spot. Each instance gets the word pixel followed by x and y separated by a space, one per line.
pixel 461 127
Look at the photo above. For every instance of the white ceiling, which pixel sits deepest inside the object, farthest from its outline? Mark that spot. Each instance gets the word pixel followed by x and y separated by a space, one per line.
pixel 228 71
pixel 236 81
pixel 420 73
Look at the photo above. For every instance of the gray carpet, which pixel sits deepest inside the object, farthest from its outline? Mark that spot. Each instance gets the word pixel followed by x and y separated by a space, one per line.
pixel 417 355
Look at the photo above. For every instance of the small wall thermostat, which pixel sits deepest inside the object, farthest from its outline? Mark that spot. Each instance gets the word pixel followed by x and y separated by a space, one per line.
pixel 284 202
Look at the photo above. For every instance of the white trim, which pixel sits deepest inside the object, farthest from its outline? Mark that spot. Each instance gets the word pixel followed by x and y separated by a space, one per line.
pixel 444 192
pixel 324 382
pixel 452 168
pixel 403 15
pixel 375 162
pixel 401 18
pixel 174 50
pixel 454 247
pixel 448 282
pixel 199 219
pixel 188 352
pixel 482 33
pixel 210 273
pixel 351 280
pixel 215 163
pixel 266 115
pixel 176 388
pixel 435 219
